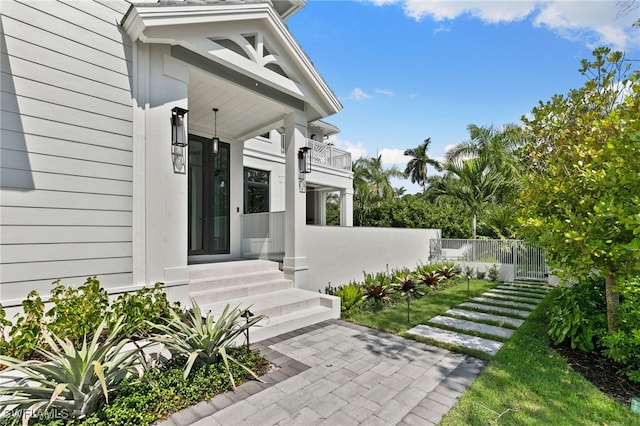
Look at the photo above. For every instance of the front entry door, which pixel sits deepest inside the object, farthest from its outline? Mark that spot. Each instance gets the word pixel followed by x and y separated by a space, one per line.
pixel 208 197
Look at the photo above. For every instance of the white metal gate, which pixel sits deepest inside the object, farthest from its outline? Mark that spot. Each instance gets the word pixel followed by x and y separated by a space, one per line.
pixel 529 263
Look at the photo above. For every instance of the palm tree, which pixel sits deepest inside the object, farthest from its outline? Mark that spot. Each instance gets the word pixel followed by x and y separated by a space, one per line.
pixel 371 184
pixel 471 181
pixel 416 168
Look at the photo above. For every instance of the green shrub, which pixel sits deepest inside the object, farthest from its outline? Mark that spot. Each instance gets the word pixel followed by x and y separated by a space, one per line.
pixel 493 273
pixel 72 380
pixel 25 335
pixel 142 309
pixel 351 295
pixel 77 312
pixel 578 315
pixel 623 346
pixel 481 274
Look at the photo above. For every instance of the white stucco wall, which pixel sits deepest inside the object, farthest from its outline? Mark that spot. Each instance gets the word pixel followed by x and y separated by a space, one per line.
pixel 340 254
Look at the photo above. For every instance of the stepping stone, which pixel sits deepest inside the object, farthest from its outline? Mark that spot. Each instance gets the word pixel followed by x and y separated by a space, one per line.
pixel 472 315
pixel 542 287
pixel 522 299
pixel 501 310
pixel 505 302
pixel 464 325
pixel 517 293
pixel 490 347
pixel 508 287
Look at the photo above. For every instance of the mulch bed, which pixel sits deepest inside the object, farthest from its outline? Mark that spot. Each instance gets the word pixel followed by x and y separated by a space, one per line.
pixel 602 372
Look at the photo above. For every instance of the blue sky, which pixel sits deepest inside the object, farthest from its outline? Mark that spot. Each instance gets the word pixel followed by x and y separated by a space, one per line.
pixel 405 70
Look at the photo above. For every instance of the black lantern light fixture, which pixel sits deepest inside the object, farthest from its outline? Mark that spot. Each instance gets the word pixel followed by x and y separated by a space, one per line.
pixel 304 158
pixel 178 127
pixel 215 141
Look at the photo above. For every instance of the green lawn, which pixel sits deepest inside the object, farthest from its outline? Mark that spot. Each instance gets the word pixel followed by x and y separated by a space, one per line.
pixel 526 383
pixel 394 319
pixel 536 385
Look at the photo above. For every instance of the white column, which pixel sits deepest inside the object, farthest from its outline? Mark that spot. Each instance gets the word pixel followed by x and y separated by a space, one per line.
pixel 346 207
pixel 320 208
pixel 295 264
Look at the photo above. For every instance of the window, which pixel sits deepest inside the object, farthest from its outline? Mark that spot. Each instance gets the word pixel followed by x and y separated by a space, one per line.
pixel 256 191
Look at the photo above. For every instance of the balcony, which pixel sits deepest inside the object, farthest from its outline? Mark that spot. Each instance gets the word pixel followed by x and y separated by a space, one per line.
pixel 324 154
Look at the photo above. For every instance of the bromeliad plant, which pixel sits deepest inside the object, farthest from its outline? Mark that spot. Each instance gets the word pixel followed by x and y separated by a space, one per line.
pixel 431 278
pixel 200 338
pixel 377 287
pixel 408 286
pixel 70 381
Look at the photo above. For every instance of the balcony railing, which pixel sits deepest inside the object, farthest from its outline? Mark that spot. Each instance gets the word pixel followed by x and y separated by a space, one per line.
pixel 327 155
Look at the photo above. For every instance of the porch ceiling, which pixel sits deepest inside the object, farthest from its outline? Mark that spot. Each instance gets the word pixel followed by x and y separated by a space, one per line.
pixel 242 114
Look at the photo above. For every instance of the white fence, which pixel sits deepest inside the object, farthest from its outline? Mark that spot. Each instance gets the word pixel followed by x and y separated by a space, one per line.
pixel 329 156
pixel 517 259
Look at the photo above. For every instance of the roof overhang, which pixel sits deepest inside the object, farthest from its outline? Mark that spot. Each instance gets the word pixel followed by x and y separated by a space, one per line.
pixel 192 30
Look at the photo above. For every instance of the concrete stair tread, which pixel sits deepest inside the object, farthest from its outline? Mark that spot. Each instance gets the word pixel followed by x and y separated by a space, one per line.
pixel 499 309
pixel 507 303
pixel 241 291
pixel 513 297
pixel 539 287
pixel 274 326
pixel 464 325
pixel 231 268
pixel 519 293
pixel 472 315
pixel 264 304
pixel 488 346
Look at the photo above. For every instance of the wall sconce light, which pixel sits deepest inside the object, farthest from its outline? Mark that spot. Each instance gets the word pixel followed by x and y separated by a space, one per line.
pixel 215 141
pixel 178 127
pixel 304 158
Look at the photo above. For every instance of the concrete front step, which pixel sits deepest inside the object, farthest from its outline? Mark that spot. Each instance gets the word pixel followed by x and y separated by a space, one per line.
pixel 286 309
pixel 488 346
pixel 498 309
pixel 519 293
pixel 472 315
pixel 464 325
pixel 512 297
pixel 239 291
pixel 215 282
pixel 505 303
pixel 231 268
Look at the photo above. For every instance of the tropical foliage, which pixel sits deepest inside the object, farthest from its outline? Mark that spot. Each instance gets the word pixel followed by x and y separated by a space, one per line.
pixel 198 337
pixel 582 187
pixel 416 169
pixel 70 379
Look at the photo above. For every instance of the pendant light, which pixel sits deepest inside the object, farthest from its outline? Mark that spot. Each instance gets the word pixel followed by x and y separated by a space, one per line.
pixel 215 140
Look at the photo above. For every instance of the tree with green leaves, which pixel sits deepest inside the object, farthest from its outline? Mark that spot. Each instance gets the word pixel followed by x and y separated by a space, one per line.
pixel 580 199
pixel 416 169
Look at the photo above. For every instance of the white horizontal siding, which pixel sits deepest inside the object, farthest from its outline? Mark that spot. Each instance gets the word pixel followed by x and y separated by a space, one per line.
pixel 12 293
pixel 21 253
pixel 66 200
pixel 52 129
pixel 27 180
pixel 65 145
pixel 64 234
pixel 44 145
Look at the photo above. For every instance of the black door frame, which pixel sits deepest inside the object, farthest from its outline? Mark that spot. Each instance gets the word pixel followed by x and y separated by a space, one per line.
pixel 208 197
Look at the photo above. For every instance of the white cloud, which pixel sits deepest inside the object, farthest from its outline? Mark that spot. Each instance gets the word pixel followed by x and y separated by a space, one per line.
pixel 592 22
pixel 393 156
pixel 385 92
pixel 449 147
pixel 356 149
pixel 358 94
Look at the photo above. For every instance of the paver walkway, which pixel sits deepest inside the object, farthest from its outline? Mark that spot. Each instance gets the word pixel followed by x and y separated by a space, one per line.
pixel 337 373
pixel 504 306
